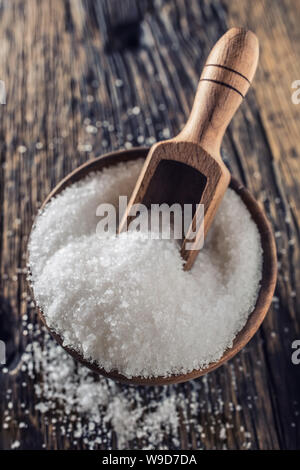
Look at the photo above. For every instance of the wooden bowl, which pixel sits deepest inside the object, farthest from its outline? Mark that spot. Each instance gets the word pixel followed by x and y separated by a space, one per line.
pixel 264 297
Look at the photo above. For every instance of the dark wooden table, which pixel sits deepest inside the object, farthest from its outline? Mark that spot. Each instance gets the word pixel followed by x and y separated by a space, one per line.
pixel 65 61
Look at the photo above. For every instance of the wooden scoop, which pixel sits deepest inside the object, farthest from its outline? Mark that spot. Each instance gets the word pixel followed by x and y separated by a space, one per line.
pixel 188 169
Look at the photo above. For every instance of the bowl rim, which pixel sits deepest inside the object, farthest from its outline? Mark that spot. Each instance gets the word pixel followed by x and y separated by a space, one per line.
pixel 255 318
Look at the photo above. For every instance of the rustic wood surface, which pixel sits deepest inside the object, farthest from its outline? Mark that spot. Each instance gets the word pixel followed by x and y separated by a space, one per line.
pixel 268 281
pixel 62 62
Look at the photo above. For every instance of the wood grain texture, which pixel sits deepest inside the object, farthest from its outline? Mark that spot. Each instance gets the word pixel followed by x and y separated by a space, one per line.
pixel 227 74
pixel 67 61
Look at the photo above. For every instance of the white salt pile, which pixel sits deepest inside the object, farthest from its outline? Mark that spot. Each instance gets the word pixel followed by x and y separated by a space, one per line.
pixel 125 302
pixel 81 409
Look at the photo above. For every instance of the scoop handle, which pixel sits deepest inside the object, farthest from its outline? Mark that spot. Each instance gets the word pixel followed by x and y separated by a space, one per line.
pixel 223 84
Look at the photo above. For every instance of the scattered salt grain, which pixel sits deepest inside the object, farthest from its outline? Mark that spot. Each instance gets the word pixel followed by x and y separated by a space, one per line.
pixel 223 433
pixel 150 140
pixel 162 107
pixel 96 408
pixel 84 147
pixel 166 133
pixel 126 302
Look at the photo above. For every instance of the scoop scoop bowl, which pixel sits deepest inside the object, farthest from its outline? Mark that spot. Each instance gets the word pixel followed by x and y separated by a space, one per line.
pixel 265 294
